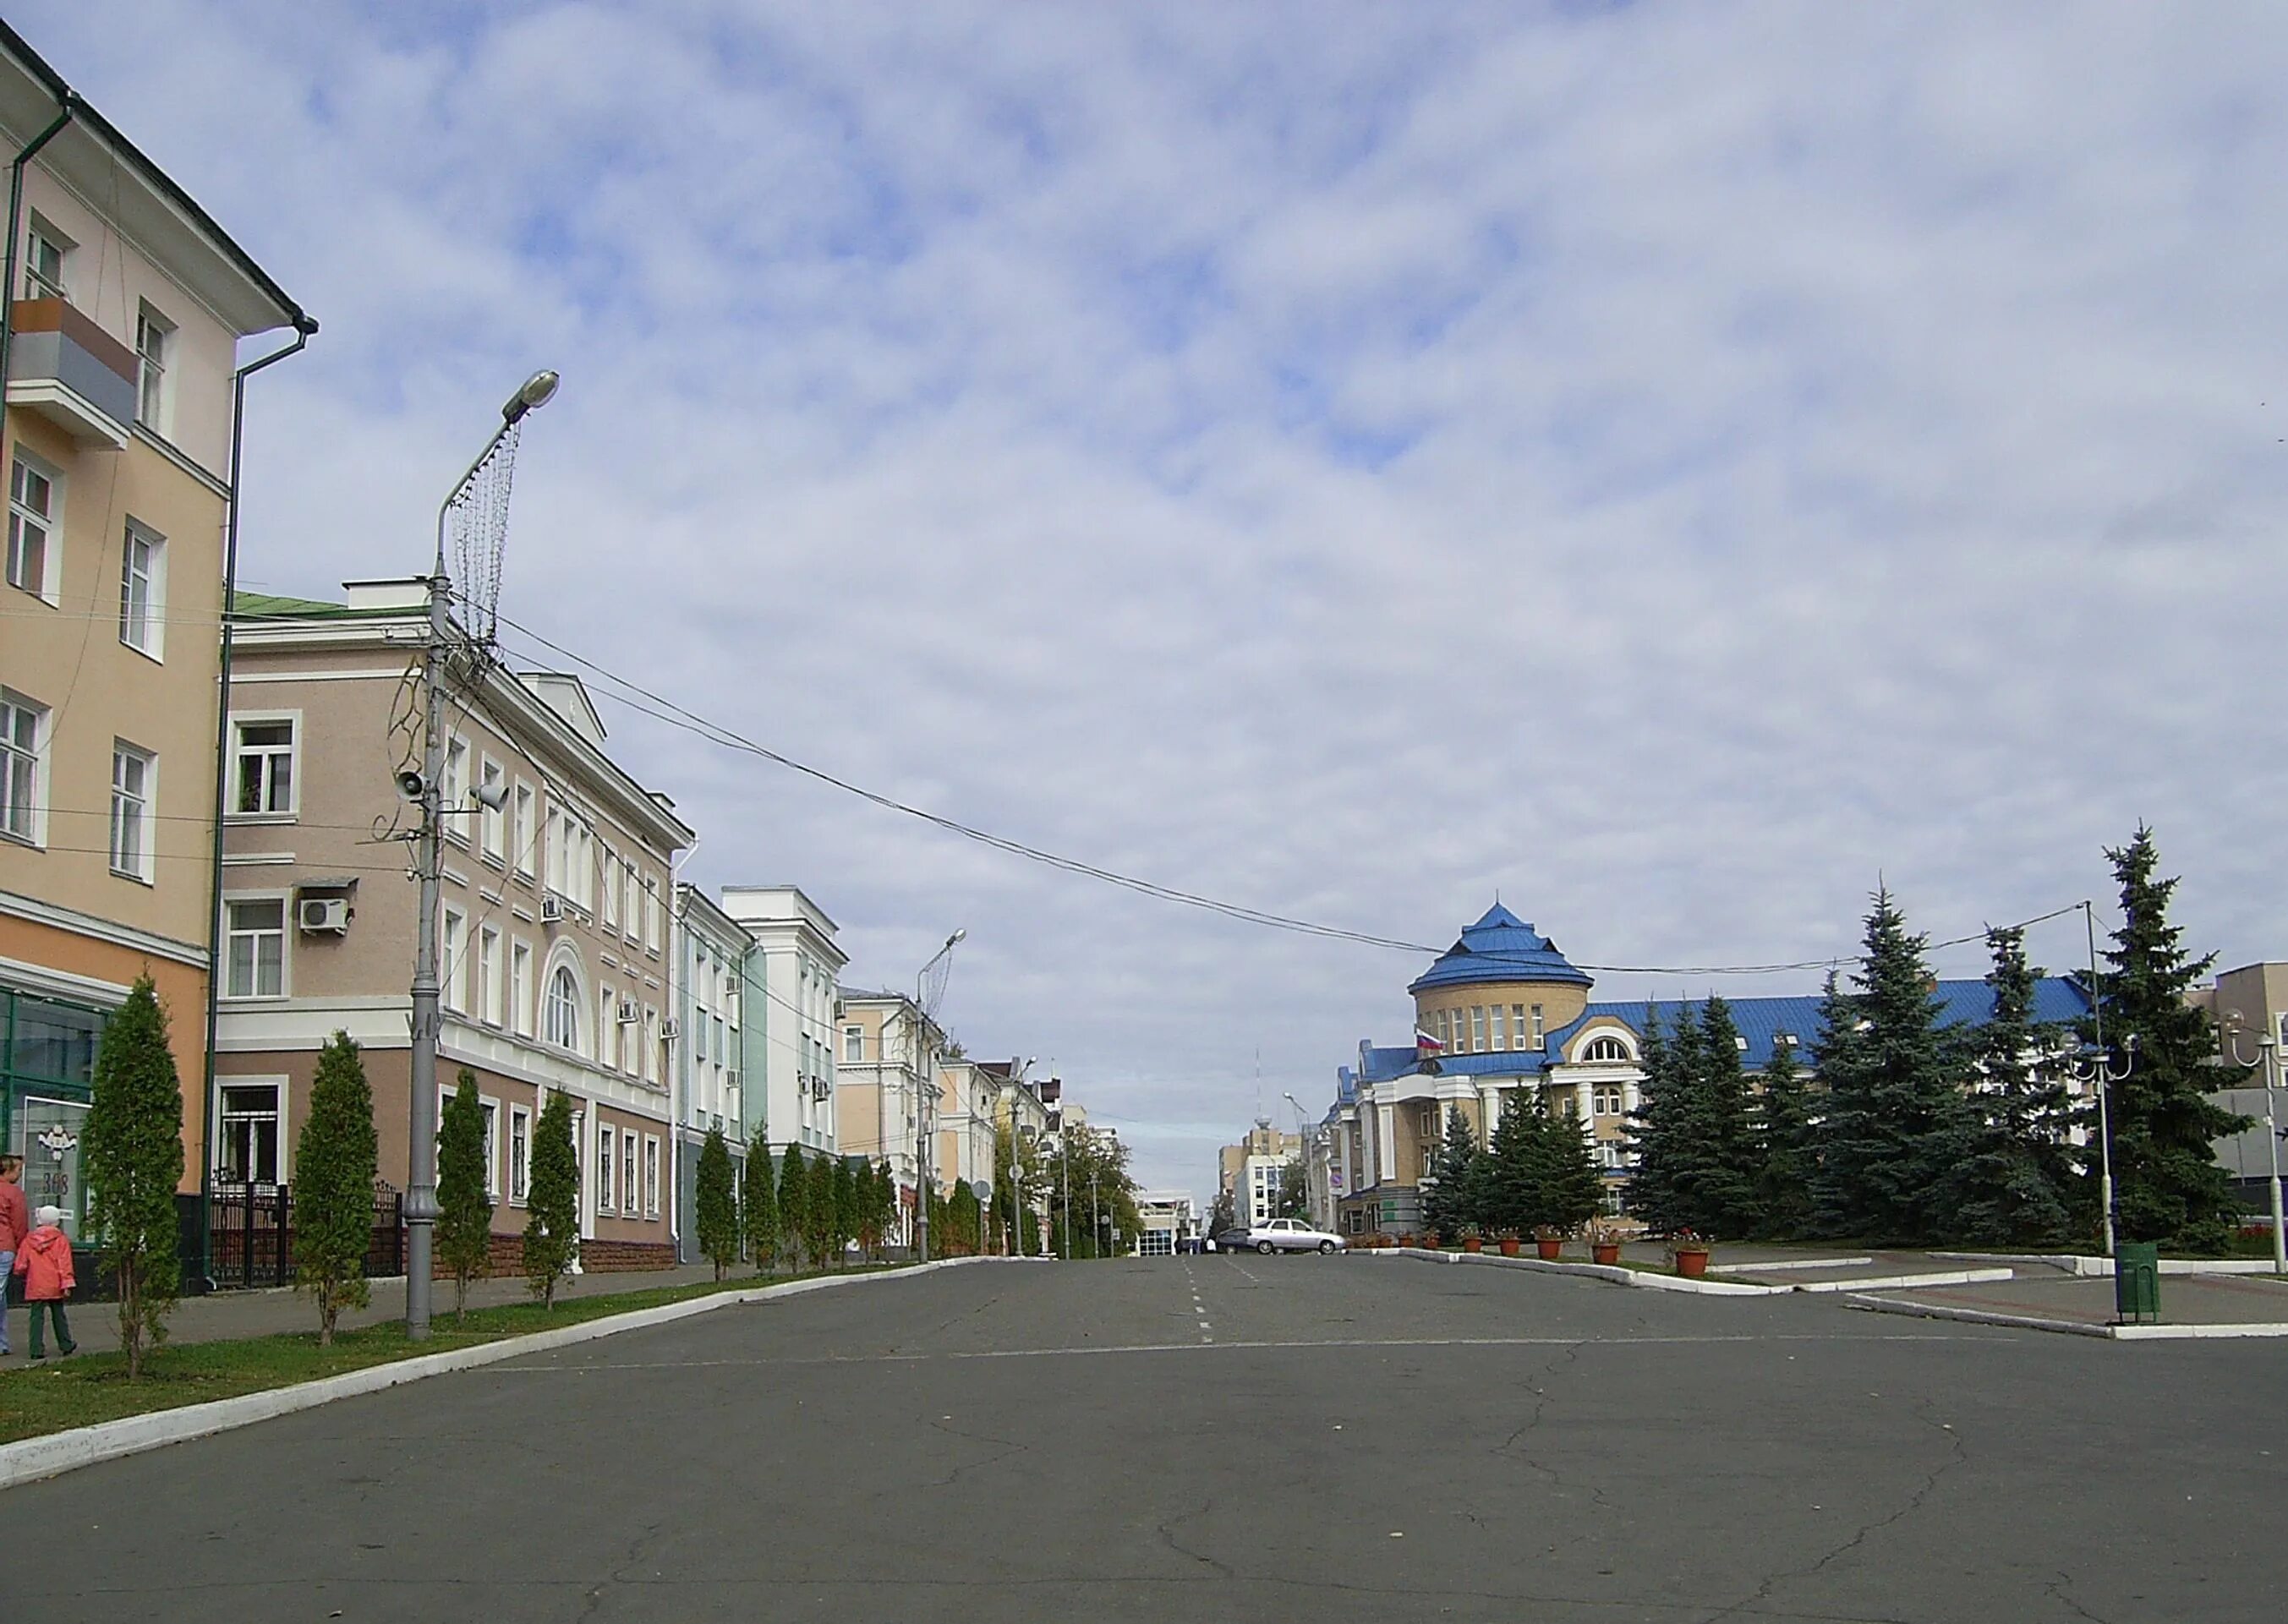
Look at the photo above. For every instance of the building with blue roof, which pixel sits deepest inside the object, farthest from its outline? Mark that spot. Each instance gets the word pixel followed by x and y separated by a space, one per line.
pixel 1502 1013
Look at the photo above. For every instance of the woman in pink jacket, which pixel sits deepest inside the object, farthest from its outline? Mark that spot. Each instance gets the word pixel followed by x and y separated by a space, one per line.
pixel 44 1260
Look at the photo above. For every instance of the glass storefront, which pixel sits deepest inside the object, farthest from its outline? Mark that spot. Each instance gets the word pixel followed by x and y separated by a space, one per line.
pixel 47 1067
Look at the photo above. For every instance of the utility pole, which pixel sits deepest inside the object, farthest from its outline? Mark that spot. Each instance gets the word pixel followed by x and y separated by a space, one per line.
pixel 923 1182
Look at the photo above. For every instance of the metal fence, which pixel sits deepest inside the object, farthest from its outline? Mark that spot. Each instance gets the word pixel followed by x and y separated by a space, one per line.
pixel 251 1235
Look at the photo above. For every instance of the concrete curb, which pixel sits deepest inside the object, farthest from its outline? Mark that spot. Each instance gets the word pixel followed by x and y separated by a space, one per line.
pixel 1784 1263
pixel 2074 1264
pixel 1612 1272
pixel 1894 1282
pixel 2072 1327
pixel 31 1459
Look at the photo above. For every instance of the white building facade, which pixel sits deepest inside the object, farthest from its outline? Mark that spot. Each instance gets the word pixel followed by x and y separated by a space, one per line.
pixel 708 1046
pixel 789 1096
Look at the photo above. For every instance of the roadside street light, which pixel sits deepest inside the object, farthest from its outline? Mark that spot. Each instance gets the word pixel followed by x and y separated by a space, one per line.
pixel 927 1053
pixel 2092 1064
pixel 421 1146
pixel 2268 1055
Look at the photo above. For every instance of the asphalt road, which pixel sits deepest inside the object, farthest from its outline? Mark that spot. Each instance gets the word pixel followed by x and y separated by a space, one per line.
pixel 1227 1438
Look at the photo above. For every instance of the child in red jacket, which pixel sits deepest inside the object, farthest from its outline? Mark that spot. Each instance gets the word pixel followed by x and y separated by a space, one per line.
pixel 44 1260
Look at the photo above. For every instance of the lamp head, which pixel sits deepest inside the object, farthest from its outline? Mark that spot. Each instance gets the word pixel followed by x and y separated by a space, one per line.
pixel 537 390
pixel 957 936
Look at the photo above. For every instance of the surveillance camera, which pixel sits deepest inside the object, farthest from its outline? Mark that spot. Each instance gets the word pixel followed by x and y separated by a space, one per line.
pixel 409 785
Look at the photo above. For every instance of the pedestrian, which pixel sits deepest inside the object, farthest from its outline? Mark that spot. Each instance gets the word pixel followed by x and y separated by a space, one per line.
pixel 45 1261
pixel 15 1224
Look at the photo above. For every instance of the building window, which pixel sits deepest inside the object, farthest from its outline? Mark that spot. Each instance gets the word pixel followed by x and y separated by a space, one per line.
pixel 1605 1050
pixel 488 975
pixel 651 1177
pixel 627 1188
pixel 520 988
pixel 611 890
pixel 490 1108
pixel 1500 1021
pixel 492 803
pixel 134 775
pixel 1539 1033
pixel 608 1029
pixel 257 948
pixel 34 512
pixel 651 1044
pixel 1607 1099
pixel 635 904
pixel 265 765
pixel 44 252
pixel 143 590
pixel 455 956
pixel 22 728
pixel 455 788
pixel 605 1201
pixel 248 1151
pixel 519 1152
pixel 1477 1028
pixel 561 1020
pixel 523 833
pixel 651 916
pixel 155 344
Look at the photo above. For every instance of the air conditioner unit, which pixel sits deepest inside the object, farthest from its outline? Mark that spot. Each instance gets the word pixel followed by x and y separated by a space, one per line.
pixel 629 1014
pixel 822 1088
pixel 670 1030
pixel 716 1121
pixel 323 916
pixel 552 910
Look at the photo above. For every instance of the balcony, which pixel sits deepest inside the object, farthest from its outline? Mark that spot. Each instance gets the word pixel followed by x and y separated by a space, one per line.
pixel 70 371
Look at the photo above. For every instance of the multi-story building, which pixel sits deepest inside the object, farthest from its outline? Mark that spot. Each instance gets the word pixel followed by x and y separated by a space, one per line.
pixel 787 1074
pixel 1506 1015
pixel 881 1041
pixel 706 1046
pixel 553 920
pixel 2247 1005
pixel 968 1097
pixel 123 305
pixel 1249 1172
pixel 1167 1219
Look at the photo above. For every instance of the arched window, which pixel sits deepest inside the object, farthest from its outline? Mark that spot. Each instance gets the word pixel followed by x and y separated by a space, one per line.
pixel 561 1016
pixel 1606 1049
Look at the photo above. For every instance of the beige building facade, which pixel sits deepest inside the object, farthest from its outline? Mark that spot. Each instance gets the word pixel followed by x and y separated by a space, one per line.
pixel 554 921
pixel 125 306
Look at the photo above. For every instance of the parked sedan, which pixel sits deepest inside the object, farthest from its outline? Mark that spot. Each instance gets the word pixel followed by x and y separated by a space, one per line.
pixel 1291 1235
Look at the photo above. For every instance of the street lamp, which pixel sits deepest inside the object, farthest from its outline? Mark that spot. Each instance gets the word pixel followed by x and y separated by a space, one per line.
pixel 421 1173
pixel 2268 1054
pixel 2092 1064
pixel 928 1086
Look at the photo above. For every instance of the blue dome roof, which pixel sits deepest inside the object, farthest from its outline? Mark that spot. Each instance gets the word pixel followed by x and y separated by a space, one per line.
pixel 1500 948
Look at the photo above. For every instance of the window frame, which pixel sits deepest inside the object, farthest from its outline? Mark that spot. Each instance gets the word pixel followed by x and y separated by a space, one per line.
pixel 41 232
pixel 606 1165
pixel 559 1022
pixel 155 395
pixel 524 803
pixel 520 1153
pixel 492 993
pixel 22 463
pixel 452 960
pixel 521 1019
pixel 146 856
pixel 453 788
pixel 231 902
pixel 147 636
pixel 31 763
pixel 281 1152
pixel 239 753
pixel 631 1192
pixel 492 821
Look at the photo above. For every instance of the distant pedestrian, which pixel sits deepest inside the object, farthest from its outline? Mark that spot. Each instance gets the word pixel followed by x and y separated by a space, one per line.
pixel 15 1224
pixel 45 1261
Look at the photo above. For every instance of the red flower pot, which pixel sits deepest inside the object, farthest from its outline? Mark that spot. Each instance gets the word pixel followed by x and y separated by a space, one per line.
pixel 1471 1243
pixel 1509 1246
pixel 1607 1253
pixel 1550 1250
pixel 1692 1265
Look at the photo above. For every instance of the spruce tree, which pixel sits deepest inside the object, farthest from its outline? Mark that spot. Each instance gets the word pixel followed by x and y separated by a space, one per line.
pixel 1784 1159
pixel 1571 1192
pixel 551 1224
pixel 1664 1187
pixel 465 1200
pixel 845 1208
pixel 885 1208
pixel 1727 1194
pixel 1510 1177
pixel 1449 1199
pixel 2167 1184
pixel 715 1208
pixel 794 1206
pixel 961 1218
pixel 2015 1177
pixel 758 1210
pixel 334 1167
pixel 818 1212
pixel 132 1156
pixel 1894 1108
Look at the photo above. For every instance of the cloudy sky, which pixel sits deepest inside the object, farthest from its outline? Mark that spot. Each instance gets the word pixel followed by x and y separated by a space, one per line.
pixel 1670 465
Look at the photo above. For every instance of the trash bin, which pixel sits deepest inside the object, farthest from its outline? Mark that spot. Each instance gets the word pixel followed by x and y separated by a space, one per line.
pixel 2137 1280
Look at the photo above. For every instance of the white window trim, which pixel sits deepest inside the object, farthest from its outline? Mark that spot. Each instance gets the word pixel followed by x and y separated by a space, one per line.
pixel 525 830
pixel 278 1081
pixel 43 228
pixel 285 901
pixel 43 729
pixel 154 608
pixel 522 1000
pixel 651 1176
pixel 160 414
pixel 294 771
pixel 516 1113
pixel 493 826
pixel 492 977
pixel 51 562
pixel 607 1162
pixel 453 791
pixel 146 865
pixel 631 1194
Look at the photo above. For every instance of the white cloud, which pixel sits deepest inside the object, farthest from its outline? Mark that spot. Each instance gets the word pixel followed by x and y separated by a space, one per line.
pixel 1670 465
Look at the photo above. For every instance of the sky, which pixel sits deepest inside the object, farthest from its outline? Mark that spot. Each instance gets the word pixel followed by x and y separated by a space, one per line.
pixel 1676 468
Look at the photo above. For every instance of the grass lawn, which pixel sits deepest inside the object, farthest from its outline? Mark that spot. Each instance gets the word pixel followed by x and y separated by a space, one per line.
pixel 89 1387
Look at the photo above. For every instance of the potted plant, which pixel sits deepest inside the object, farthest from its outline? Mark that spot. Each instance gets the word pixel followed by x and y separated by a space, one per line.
pixel 1508 1240
pixel 1549 1240
pixel 1605 1243
pixel 1471 1240
pixel 1688 1254
pixel 1432 1239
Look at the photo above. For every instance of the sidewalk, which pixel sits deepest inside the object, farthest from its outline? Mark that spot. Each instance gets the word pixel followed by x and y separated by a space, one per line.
pixel 2186 1299
pixel 226 1316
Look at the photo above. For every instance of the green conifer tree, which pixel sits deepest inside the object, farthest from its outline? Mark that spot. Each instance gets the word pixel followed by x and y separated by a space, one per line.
pixel 132 1156
pixel 334 1167
pixel 1895 1107
pixel 551 1224
pixel 1783 1146
pixel 819 1214
pixel 885 1208
pixel 2167 1184
pixel 2016 1175
pixel 1294 1192
pixel 961 1217
pixel 1510 1177
pixel 1450 1199
pixel 465 1200
pixel 794 1207
pixel 845 1208
pixel 716 1210
pixel 1727 1149
pixel 758 1210
pixel 1571 1192
pixel 1664 1185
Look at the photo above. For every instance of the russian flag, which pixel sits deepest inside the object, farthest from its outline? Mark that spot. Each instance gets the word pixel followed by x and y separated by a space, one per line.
pixel 1424 1044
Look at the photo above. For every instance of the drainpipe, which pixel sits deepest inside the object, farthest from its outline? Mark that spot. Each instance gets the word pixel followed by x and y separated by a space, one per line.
pixel 70 104
pixel 303 328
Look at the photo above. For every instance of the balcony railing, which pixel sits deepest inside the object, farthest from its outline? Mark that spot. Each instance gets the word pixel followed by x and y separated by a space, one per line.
pixel 64 367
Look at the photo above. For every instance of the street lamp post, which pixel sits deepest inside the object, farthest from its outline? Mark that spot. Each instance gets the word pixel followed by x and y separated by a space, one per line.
pixel 2268 1054
pixel 421 1149
pixel 2093 1065
pixel 928 1086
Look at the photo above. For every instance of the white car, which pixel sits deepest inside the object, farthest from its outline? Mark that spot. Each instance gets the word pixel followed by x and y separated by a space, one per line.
pixel 1291 1235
